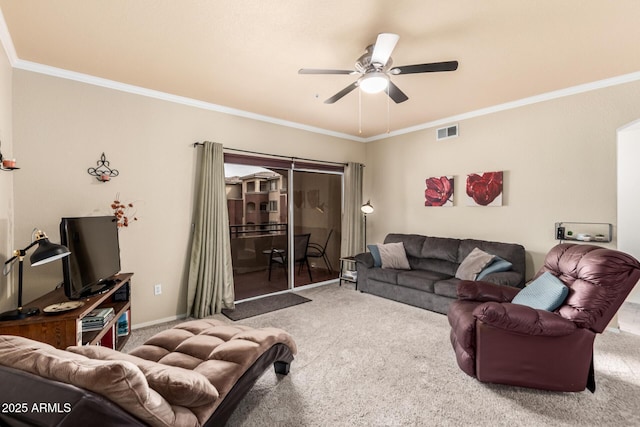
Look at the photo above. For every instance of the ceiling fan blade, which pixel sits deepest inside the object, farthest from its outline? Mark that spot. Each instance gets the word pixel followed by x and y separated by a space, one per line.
pixel 426 68
pixel 385 44
pixel 342 93
pixel 395 93
pixel 321 71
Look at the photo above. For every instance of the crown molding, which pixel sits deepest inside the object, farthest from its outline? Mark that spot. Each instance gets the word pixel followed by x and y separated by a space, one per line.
pixel 574 90
pixel 7 43
pixel 137 90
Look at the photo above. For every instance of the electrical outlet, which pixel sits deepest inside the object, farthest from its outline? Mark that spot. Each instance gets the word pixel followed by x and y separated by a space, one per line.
pixel 157 289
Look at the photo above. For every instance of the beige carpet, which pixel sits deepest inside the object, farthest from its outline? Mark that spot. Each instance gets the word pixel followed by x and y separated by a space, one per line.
pixel 367 361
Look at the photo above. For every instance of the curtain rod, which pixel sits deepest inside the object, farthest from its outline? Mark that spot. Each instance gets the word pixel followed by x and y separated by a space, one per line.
pixel 195 144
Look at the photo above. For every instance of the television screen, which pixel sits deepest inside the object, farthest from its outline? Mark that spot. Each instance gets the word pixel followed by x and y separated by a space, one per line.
pixel 95 254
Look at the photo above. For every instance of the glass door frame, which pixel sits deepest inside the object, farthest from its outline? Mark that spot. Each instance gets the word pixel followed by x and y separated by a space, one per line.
pixel 290 218
pixel 289 164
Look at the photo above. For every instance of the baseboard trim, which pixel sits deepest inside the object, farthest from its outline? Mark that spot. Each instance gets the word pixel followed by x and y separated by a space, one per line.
pixel 158 321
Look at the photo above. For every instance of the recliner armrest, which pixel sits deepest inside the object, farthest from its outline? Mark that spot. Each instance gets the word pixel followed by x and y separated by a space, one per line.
pixel 506 278
pixel 485 291
pixel 523 319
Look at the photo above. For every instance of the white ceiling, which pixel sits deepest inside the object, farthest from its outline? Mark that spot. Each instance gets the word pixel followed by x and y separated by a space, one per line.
pixel 245 54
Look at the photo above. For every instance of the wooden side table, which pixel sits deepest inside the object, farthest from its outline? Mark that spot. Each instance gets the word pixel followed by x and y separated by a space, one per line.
pixel 346 262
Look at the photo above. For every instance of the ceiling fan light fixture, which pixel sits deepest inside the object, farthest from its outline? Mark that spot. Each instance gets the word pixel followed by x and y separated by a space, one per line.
pixel 374 82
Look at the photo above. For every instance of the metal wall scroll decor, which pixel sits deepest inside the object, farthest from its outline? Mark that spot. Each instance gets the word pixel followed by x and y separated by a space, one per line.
pixel 103 172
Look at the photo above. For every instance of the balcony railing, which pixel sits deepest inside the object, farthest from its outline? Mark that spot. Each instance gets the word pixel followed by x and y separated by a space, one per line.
pixel 252 230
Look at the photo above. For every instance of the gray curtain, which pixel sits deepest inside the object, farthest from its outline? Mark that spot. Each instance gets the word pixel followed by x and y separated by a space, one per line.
pixel 210 287
pixel 352 222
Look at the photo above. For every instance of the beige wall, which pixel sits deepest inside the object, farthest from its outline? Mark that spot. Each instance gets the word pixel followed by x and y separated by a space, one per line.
pixel 559 159
pixel 8 297
pixel 61 127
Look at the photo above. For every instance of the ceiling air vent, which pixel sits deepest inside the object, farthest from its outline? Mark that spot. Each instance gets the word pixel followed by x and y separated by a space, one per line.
pixel 448 132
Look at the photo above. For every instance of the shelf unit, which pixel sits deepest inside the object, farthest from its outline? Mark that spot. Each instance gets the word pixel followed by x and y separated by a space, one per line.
pixel 598 232
pixel 344 276
pixel 62 330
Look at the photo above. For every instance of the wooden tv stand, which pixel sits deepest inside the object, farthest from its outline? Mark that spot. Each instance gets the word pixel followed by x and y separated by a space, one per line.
pixel 62 330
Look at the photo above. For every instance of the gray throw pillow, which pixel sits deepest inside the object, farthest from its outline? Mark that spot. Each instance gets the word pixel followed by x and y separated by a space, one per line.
pixel 473 264
pixel 393 255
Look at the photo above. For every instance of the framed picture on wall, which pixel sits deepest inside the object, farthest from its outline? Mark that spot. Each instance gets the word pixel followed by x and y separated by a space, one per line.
pixel 484 189
pixel 439 191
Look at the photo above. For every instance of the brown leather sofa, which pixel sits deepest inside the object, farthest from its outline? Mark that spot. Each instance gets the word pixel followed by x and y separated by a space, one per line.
pixel 497 341
pixel 194 374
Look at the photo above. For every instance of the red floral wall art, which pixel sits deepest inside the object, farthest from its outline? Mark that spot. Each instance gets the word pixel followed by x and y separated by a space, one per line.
pixel 439 191
pixel 484 189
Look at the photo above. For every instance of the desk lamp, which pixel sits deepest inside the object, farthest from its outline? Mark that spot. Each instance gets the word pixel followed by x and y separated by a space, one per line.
pixel 46 252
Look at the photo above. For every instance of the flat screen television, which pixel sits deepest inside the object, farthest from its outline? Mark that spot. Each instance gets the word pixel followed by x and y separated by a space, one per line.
pixel 95 255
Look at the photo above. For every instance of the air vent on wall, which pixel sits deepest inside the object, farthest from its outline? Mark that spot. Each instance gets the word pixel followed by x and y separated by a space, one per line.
pixel 447 132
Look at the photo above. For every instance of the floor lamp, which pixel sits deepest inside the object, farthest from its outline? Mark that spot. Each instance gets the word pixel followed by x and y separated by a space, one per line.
pixel 46 252
pixel 366 209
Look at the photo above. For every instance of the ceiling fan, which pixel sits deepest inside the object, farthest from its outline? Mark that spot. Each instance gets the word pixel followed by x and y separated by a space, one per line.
pixel 375 70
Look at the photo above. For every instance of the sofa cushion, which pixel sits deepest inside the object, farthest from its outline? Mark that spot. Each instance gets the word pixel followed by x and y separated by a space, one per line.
pixel 432 264
pixel 497 265
pixel 119 381
pixel 386 275
pixel 393 255
pixel 177 385
pixel 447 287
pixel 512 252
pixel 420 279
pixel 546 292
pixel 473 264
pixel 440 248
pixel 412 242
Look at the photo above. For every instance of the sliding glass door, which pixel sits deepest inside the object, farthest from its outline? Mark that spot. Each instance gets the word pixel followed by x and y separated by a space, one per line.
pixel 317 211
pixel 284 226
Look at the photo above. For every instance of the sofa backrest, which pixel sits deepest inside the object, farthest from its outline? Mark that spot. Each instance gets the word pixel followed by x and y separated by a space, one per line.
pixel 444 255
pixel 512 252
pixel 412 242
pixel 428 253
pixel 599 280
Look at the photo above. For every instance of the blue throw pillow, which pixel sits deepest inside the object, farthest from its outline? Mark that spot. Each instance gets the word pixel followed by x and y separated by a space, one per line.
pixel 547 292
pixel 375 252
pixel 497 265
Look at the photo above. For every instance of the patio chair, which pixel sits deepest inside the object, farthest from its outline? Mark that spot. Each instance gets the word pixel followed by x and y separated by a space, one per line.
pixel 300 244
pixel 315 250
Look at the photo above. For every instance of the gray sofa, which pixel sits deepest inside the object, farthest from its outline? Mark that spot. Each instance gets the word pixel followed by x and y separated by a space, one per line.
pixel 430 282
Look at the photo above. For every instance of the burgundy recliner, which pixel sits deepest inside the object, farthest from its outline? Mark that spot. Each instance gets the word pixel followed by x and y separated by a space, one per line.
pixel 500 342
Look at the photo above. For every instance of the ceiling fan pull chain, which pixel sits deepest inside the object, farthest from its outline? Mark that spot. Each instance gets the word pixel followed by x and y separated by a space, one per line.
pixel 388 114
